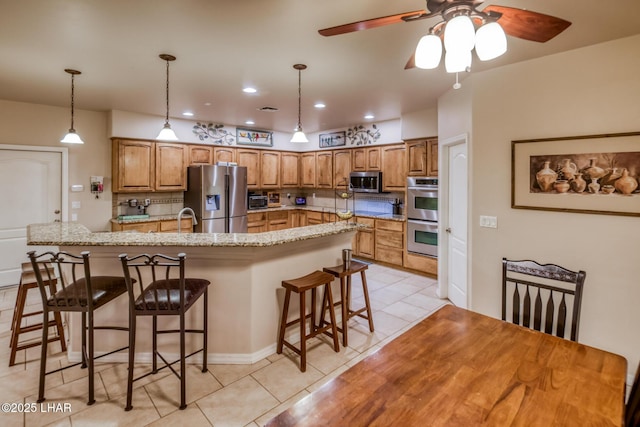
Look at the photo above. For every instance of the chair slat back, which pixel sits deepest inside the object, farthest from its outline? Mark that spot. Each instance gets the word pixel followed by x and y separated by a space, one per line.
pixel 49 266
pixel 555 291
pixel 149 269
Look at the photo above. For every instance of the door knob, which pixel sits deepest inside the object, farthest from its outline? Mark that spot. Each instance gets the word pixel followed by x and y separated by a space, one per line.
pixel 448 230
pixel 57 211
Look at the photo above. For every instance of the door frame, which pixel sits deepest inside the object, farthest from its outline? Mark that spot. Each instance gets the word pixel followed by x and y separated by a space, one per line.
pixel 64 171
pixel 443 208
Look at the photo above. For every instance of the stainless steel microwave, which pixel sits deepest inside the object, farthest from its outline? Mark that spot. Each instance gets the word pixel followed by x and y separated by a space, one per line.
pixel 365 182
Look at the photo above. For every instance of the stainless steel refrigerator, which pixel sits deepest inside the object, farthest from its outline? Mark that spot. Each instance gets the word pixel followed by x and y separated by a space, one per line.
pixel 218 196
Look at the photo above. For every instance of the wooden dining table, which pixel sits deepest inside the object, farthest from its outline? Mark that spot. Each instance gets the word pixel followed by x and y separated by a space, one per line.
pixel 461 368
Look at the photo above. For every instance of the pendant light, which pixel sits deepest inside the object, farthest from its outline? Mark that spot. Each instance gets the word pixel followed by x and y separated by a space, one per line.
pixel 299 135
pixel 72 137
pixel 167 134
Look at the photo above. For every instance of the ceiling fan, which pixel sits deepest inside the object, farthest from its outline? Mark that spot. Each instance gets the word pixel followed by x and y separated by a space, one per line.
pixel 515 22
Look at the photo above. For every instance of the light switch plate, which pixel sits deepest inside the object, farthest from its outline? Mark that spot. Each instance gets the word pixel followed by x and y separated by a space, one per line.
pixel 76 204
pixel 488 221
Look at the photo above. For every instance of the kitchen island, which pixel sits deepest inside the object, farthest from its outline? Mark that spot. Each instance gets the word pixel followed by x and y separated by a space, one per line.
pixel 245 270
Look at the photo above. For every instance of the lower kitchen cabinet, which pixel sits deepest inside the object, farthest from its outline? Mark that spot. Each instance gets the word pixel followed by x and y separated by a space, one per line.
pixel 171 226
pixel 277 220
pixel 424 264
pixel 256 222
pixel 163 226
pixel 297 218
pixel 364 245
pixel 389 240
pixel 314 217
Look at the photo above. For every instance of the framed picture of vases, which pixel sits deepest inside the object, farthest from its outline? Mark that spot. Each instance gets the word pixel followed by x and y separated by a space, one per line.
pixel 594 174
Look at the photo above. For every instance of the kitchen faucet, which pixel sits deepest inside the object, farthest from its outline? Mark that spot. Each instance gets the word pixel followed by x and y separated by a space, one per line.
pixel 193 216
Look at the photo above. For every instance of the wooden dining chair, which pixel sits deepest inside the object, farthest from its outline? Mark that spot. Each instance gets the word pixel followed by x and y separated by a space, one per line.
pixel 531 292
pixel 632 411
pixel 163 290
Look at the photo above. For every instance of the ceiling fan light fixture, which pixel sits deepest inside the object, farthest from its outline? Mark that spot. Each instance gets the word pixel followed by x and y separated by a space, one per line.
pixel 459 34
pixel 457 61
pixel 72 137
pixel 428 52
pixel 491 41
pixel 299 135
pixel 166 133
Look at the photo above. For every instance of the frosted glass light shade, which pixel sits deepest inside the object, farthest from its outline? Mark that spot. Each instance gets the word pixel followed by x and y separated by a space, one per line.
pixel 457 61
pixel 72 138
pixel 491 42
pixel 299 136
pixel 459 34
pixel 167 134
pixel 428 52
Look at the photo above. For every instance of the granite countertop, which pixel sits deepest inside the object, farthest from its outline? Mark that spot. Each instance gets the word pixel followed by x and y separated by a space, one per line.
pixel 74 234
pixel 368 214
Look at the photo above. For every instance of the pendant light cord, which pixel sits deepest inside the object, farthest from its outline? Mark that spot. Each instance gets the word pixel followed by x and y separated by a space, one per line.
pixel 166 120
pixel 72 91
pixel 299 98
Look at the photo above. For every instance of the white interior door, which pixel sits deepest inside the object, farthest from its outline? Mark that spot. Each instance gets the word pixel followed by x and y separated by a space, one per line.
pixel 31 192
pixel 456 223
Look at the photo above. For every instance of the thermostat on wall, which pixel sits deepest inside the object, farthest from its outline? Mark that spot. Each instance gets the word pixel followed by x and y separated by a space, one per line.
pixel 77 187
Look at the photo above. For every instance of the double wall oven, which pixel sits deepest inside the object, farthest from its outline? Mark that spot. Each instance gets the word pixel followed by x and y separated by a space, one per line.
pixel 422 215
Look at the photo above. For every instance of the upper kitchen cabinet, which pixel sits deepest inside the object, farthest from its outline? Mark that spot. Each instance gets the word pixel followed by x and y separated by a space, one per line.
pixel 394 166
pixel 251 159
pixel 341 168
pixel 223 154
pixel 432 157
pixel 324 169
pixel 422 157
pixel 289 170
pixel 269 169
pixel 366 159
pixel 308 169
pixel 133 165
pixel 200 155
pixel 171 166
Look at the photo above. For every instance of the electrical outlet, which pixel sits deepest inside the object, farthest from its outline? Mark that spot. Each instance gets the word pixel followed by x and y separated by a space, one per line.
pixel 74 217
pixel 288 195
pixel 488 221
pixel 76 204
pixel 313 195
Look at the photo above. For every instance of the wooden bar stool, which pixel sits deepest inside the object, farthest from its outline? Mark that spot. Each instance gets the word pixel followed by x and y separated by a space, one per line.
pixel 344 274
pixel 300 286
pixel 28 281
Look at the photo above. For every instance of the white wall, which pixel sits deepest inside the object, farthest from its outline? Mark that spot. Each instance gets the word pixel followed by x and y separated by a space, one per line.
pixel 593 90
pixel 40 125
pixel 420 124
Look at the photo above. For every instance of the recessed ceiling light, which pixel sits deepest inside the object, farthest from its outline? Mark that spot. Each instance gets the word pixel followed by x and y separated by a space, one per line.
pixel 249 90
pixel 249 122
pixel 319 105
pixel 188 114
pixel 207 104
pixel 369 116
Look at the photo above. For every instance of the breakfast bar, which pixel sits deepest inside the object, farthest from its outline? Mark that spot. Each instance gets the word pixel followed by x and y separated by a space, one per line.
pixel 245 271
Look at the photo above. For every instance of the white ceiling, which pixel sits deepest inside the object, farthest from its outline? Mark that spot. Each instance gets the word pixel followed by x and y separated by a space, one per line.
pixel 223 45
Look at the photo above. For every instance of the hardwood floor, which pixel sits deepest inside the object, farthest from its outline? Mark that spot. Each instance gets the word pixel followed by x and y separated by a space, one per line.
pixel 235 395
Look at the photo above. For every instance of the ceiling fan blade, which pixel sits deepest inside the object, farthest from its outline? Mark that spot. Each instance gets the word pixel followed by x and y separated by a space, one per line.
pixel 411 63
pixel 369 23
pixel 528 25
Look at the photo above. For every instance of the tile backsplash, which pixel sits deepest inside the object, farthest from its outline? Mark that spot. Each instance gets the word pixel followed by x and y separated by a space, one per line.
pixel 161 203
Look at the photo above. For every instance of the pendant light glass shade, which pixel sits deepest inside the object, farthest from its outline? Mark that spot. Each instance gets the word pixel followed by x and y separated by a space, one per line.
pixel 459 34
pixel 72 137
pixel 299 135
pixel 428 52
pixel 491 41
pixel 457 61
pixel 166 133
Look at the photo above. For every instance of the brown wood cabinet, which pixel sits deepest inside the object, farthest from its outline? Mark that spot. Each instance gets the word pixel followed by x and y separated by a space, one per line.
pixel 297 218
pixel 200 155
pixel 422 157
pixel 251 159
pixel 289 170
pixel 314 218
pixel 432 157
pixel 389 240
pixel 277 220
pixel 308 169
pixel 366 159
pixel 133 165
pixel 324 169
pixel 224 154
pixel 171 226
pixel 341 168
pixel 364 245
pixel 162 226
pixel 171 166
pixel 423 264
pixel 394 166
pixel 269 169
pixel 256 222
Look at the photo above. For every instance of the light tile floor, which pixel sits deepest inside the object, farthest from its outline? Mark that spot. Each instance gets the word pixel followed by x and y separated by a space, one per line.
pixel 227 395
